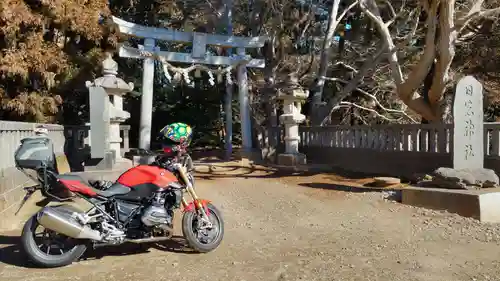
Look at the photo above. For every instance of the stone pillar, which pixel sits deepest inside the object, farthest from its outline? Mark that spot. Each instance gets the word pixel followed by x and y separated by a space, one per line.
pixel 147 97
pixel 246 125
pixel 115 88
pixel 114 129
pixel 228 101
pixel 292 94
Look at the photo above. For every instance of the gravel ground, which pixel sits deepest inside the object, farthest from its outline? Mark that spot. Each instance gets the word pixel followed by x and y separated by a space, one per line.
pixel 278 230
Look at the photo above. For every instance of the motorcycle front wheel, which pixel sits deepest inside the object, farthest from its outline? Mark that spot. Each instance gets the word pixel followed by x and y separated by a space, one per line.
pixel 47 248
pixel 202 239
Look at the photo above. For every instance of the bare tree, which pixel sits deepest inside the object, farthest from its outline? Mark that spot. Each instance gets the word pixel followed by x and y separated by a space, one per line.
pixel 439 49
pixel 333 21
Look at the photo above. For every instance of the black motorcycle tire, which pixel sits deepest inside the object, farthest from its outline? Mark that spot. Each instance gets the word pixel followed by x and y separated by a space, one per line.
pixel 40 258
pixel 190 236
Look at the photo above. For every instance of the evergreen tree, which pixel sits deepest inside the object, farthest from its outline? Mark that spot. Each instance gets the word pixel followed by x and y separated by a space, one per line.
pixel 48 49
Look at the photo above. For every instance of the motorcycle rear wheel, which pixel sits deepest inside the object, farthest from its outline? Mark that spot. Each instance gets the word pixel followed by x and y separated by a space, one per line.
pixel 203 241
pixel 44 255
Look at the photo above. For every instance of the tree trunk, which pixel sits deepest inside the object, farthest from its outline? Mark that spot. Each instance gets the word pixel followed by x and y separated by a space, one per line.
pixel 317 89
pixel 407 88
pixel 269 77
pixel 446 46
pixel 427 88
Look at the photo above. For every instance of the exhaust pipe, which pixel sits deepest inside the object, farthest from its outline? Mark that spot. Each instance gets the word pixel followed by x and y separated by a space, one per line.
pixel 61 221
pixel 148 240
pixel 168 229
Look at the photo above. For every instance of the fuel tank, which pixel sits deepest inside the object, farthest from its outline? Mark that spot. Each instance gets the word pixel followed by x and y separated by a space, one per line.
pixel 147 175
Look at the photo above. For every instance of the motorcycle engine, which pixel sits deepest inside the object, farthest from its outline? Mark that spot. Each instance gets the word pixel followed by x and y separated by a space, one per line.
pixel 158 214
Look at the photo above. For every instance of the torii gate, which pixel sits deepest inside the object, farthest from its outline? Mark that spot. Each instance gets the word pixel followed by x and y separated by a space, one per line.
pixel 197 56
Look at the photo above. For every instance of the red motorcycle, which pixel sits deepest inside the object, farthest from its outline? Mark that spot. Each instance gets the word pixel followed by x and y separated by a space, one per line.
pixel 138 207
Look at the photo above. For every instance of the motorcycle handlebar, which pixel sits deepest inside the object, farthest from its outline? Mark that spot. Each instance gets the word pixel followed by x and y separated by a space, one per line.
pixel 182 158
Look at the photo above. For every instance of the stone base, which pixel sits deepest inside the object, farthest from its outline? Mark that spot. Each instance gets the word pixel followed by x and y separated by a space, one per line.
pixel 123 164
pixel 291 159
pixel 106 163
pixel 478 204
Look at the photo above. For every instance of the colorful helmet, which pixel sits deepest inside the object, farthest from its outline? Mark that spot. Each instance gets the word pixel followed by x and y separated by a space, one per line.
pixel 178 133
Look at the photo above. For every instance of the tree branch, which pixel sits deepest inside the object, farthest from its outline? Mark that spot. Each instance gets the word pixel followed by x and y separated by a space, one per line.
pixel 393 12
pixel 369 64
pixel 369 7
pixel 347 104
pixel 374 98
pixel 474 13
pixel 409 37
pixel 343 64
pixel 350 7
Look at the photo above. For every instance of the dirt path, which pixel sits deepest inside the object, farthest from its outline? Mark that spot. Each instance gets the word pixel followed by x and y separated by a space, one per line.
pixel 276 230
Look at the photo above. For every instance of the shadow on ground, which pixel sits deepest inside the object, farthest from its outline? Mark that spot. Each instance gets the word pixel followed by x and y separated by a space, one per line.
pixel 323 176
pixel 392 194
pixel 335 179
pixel 11 252
pixel 217 170
pixel 337 187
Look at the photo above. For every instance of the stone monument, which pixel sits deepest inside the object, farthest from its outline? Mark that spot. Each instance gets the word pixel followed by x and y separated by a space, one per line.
pixel 291 93
pixel 106 111
pixel 468 145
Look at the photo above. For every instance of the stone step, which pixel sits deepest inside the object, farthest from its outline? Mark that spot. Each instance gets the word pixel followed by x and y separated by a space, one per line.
pixel 479 204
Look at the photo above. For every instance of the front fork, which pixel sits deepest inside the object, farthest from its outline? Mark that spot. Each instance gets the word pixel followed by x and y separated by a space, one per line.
pixel 199 205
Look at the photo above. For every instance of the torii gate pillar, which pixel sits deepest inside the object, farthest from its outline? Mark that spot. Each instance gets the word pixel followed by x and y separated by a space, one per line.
pixel 148 76
pixel 246 125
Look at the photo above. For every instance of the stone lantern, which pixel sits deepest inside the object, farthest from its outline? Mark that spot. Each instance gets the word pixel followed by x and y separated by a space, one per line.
pixel 292 94
pixel 115 88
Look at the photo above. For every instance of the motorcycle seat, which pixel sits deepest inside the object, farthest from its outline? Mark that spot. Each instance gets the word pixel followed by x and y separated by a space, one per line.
pixel 114 189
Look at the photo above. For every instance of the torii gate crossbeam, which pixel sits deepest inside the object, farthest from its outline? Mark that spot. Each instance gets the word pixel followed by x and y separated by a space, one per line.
pixel 198 56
